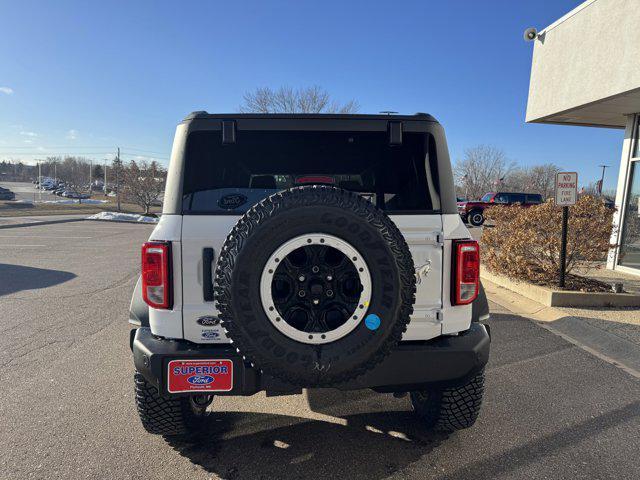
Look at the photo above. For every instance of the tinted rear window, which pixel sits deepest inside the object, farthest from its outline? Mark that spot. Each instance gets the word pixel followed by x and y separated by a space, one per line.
pixel 229 179
pixel 516 197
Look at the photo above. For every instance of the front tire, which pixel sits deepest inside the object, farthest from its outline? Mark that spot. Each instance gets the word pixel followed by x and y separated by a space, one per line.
pixel 450 409
pixel 476 218
pixel 168 416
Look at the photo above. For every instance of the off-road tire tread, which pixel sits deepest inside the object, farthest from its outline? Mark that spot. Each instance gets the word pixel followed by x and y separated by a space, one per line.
pixel 450 409
pixel 306 196
pixel 162 415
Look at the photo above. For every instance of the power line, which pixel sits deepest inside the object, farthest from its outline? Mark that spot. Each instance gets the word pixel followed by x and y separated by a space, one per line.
pixel 63 147
pixel 143 150
pixel 50 154
pixel 137 155
pixel 74 147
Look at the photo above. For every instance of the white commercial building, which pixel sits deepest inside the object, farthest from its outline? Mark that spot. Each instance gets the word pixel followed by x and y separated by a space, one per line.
pixel 586 71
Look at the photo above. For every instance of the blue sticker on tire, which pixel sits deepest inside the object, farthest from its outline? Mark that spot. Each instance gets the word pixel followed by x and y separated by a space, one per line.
pixel 372 321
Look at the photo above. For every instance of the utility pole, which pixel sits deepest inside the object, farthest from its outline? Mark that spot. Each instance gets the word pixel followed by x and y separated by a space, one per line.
pixel 90 179
pixel 39 182
pixel 104 187
pixel 604 167
pixel 117 165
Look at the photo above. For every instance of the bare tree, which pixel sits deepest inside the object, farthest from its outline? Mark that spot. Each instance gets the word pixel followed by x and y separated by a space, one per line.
pixel 483 169
pixel 73 171
pixel 289 100
pixel 538 179
pixel 143 183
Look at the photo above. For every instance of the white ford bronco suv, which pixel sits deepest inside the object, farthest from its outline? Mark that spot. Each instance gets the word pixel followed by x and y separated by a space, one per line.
pixel 299 251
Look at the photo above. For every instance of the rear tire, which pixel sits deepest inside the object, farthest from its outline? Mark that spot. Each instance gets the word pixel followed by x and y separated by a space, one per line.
pixel 167 416
pixel 476 218
pixel 450 409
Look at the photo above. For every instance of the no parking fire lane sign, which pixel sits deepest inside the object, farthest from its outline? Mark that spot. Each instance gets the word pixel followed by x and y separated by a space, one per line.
pixel 566 188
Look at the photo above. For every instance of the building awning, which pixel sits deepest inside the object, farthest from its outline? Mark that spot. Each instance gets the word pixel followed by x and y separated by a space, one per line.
pixel 611 112
pixel 586 66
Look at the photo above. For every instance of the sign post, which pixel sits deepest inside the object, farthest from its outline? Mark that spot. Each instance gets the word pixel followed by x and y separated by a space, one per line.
pixel 566 195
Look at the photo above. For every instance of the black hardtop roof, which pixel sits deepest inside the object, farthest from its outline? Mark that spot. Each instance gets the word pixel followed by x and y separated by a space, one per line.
pixel 419 116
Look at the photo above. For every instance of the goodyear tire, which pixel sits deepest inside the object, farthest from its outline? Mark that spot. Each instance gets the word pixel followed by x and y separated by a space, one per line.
pixel 168 416
pixel 348 281
pixel 450 409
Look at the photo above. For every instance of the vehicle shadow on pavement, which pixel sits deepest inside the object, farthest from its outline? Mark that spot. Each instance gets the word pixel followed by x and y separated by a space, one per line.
pixel 518 457
pixel 356 446
pixel 15 278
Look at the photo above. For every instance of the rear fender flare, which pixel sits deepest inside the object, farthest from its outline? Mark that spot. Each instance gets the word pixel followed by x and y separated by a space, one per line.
pixel 138 309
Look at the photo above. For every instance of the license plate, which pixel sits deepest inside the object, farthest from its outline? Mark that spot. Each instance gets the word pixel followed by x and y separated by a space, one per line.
pixel 200 376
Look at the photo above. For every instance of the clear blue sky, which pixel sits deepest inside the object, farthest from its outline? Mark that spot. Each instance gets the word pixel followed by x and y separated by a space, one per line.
pixel 89 76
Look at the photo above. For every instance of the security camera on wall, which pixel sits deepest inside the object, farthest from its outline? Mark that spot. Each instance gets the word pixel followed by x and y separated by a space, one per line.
pixel 530 34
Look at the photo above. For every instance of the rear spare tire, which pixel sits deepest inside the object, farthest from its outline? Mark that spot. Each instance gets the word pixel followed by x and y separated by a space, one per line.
pixel 315 285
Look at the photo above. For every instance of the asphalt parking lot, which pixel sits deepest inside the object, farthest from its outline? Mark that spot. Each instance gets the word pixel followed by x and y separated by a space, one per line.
pixel 67 410
pixel 28 192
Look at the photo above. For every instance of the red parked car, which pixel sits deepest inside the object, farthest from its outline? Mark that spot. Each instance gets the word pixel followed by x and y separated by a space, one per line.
pixel 473 211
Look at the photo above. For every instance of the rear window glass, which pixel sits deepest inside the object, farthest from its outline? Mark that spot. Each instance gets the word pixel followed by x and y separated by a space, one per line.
pixel 229 179
pixel 516 197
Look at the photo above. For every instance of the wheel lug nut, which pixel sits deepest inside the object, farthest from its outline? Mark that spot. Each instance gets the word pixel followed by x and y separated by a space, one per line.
pixel 302 293
pixel 329 293
pixel 316 301
pixel 315 269
pixel 301 278
pixel 329 278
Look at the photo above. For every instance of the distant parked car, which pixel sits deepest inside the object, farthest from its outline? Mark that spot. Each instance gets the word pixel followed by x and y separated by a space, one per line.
pixel 73 194
pixel 6 194
pixel 609 203
pixel 473 211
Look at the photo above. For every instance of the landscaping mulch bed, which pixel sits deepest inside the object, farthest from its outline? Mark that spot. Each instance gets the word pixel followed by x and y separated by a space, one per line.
pixel 577 283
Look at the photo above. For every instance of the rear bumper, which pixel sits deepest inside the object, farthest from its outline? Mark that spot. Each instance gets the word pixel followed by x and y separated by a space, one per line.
pixel 443 361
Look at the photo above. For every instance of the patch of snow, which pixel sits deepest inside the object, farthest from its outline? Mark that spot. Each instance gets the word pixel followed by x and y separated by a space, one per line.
pixel 123 217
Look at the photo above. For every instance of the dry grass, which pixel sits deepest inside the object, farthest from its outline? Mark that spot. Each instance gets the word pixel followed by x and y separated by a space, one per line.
pixel 13 209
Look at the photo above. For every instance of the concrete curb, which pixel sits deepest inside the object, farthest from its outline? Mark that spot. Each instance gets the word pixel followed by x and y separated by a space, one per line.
pixel 600 343
pixel 41 223
pixel 557 298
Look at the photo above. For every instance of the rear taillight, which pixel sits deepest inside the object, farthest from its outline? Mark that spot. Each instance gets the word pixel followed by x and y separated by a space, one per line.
pixel 156 274
pixel 466 275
